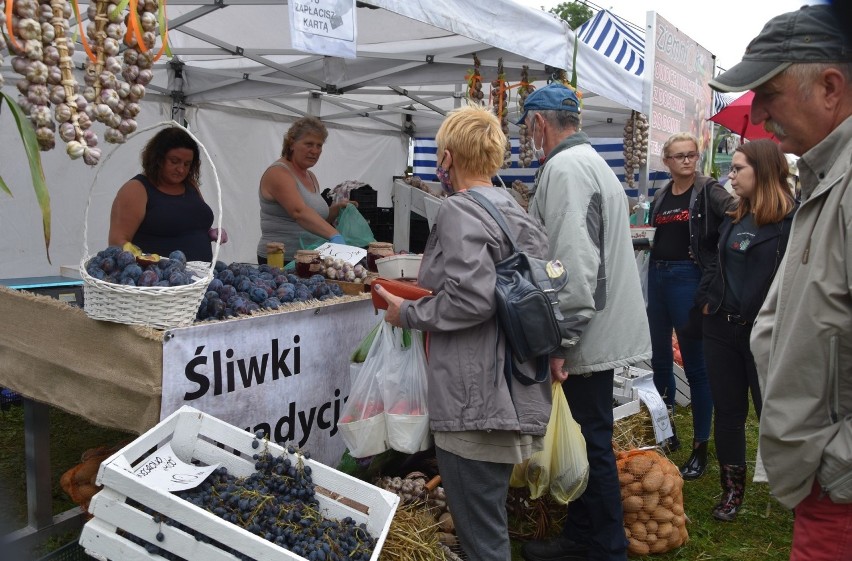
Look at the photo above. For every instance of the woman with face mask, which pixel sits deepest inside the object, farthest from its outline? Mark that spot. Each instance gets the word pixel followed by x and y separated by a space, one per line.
pixel 481 428
pixel 687 213
pixel 752 241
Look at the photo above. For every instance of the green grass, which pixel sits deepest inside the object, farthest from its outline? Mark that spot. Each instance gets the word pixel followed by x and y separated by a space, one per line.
pixel 762 531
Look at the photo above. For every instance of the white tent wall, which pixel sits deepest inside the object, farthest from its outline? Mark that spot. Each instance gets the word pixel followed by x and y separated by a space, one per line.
pixel 242 84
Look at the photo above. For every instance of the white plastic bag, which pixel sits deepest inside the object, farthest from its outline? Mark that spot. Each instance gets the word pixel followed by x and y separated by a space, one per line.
pixel 642 259
pixel 362 420
pixel 404 394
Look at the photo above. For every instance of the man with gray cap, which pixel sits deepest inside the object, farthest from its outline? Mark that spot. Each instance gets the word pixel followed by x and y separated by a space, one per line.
pixel 800 69
pixel 584 209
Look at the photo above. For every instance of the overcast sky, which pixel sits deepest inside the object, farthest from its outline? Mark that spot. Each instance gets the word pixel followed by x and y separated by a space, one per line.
pixel 723 27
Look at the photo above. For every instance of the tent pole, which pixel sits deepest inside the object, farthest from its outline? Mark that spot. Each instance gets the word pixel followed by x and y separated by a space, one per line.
pixel 177 95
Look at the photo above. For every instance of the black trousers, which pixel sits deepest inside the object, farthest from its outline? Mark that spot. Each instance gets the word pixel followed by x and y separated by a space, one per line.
pixel 596 518
pixel 732 374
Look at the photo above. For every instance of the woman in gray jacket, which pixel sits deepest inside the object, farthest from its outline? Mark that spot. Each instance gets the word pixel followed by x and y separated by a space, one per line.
pixel 482 426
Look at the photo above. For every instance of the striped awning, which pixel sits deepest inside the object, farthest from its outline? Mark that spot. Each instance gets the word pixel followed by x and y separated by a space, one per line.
pixel 615 38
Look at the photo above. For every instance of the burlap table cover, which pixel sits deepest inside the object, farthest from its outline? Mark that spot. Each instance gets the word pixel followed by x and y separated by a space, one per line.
pixel 107 373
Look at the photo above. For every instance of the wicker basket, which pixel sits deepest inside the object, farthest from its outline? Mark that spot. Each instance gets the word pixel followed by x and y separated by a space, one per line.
pixel 160 307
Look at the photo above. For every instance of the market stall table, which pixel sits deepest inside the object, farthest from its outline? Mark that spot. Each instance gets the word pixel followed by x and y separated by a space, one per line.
pixel 54 355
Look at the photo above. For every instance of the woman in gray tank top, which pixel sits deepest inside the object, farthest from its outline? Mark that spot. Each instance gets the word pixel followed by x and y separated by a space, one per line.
pixel 290 202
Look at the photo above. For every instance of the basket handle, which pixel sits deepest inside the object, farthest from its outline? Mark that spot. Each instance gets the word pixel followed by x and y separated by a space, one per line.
pixel 215 177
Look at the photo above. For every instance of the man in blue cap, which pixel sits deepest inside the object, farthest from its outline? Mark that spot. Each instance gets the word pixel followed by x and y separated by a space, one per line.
pixel 584 209
pixel 800 69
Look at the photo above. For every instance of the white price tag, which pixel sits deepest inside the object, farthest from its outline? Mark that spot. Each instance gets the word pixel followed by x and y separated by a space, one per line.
pixel 164 470
pixel 649 395
pixel 348 253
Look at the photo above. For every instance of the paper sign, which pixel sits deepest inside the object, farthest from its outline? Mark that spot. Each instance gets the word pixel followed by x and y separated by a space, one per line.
pixel 349 253
pixel 649 395
pixel 164 470
pixel 324 27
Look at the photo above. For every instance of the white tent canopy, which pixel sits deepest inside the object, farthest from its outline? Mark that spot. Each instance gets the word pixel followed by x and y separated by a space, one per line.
pixel 240 83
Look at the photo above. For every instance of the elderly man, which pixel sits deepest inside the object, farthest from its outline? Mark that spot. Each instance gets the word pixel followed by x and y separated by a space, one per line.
pixel 584 210
pixel 800 69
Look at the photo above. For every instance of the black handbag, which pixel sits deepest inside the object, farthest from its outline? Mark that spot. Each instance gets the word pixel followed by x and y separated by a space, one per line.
pixel 527 304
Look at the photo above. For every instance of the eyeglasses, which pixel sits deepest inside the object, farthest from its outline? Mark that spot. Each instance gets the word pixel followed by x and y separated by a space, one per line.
pixel 736 169
pixel 684 156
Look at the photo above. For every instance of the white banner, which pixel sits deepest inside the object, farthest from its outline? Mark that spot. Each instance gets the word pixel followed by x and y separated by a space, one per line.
pixel 325 27
pixel 286 374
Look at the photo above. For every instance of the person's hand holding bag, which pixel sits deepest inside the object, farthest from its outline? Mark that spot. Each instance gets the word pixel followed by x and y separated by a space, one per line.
pixel 394 303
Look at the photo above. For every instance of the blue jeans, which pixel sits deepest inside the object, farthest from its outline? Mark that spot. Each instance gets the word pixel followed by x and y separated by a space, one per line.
pixel 671 294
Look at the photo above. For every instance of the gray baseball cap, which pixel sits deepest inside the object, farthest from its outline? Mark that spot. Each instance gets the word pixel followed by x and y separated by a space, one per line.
pixel 810 34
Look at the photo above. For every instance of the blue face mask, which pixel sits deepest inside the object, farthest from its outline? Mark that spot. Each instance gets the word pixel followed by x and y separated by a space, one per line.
pixel 444 177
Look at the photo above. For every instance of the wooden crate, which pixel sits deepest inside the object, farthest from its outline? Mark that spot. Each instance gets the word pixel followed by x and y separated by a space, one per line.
pixel 350 288
pixel 196 437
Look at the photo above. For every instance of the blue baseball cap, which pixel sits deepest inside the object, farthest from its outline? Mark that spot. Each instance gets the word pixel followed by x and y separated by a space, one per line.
pixel 552 97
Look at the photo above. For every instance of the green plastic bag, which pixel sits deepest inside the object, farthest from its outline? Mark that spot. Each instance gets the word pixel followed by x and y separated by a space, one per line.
pixel 354 227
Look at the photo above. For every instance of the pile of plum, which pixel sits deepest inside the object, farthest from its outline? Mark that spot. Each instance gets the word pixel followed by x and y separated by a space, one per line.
pixel 241 288
pixel 118 266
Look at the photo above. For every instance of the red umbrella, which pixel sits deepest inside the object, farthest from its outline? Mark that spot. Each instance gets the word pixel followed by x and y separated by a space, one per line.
pixel 737 118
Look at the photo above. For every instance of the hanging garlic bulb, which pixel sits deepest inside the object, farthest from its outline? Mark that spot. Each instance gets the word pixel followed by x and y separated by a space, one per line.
pixel 635 145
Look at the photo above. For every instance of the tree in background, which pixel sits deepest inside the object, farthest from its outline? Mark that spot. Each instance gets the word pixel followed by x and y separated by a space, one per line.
pixel 575 13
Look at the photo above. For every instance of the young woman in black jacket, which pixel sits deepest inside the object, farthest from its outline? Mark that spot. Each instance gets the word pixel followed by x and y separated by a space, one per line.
pixel 752 241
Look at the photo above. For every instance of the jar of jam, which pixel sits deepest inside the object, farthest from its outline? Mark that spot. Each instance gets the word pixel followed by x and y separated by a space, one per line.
pixel 275 254
pixel 377 250
pixel 308 262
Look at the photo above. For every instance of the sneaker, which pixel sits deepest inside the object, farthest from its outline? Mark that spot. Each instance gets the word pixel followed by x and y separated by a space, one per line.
pixel 560 548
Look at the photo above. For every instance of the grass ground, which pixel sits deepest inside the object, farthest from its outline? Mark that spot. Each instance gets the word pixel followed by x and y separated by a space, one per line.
pixel 762 531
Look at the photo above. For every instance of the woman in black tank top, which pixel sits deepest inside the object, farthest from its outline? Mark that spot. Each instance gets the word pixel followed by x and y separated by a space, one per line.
pixel 161 210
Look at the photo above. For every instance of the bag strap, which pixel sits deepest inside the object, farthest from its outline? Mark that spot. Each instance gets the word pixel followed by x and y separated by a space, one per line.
pixel 495 214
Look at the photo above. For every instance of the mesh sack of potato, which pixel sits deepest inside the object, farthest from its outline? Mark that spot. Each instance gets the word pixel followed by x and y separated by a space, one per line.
pixel 652 497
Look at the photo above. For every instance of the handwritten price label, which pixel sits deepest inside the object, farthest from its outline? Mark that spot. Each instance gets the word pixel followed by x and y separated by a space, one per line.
pixel 164 470
pixel 348 253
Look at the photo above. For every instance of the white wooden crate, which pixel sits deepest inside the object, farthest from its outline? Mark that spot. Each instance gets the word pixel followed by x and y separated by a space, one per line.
pixel 195 436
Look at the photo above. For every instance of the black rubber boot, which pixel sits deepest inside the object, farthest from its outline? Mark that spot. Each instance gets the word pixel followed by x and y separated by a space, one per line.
pixel 732 477
pixel 696 465
pixel 672 443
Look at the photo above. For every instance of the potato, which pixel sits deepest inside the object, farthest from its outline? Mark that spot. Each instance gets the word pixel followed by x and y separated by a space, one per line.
pixel 625 478
pixel 630 518
pixel 675 540
pixel 650 538
pixel 677 509
pixel 627 533
pixel 659 546
pixel 651 501
pixel 635 488
pixel 678 521
pixel 666 501
pixel 633 503
pixel 668 484
pixel 653 480
pixel 651 526
pixel 638 530
pixel 643 516
pixel 639 464
pixel 664 530
pixel 636 547
pixel 684 534
pixel 662 514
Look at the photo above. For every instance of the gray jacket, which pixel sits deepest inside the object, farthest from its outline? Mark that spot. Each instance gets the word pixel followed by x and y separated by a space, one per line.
pixel 584 210
pixel 802 339
pixel 467 387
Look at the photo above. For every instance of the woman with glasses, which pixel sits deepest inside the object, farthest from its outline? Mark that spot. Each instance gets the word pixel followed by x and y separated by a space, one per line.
pixel 687 213
pixel 752 241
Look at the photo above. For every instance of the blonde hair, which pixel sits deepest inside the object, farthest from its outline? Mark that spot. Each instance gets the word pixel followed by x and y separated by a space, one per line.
pixel 679 137
pixel 771 200
pixel 474 138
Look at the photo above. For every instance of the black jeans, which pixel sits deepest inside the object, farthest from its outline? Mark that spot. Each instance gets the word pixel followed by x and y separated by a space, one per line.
pixel 596 518
pixel 732 373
